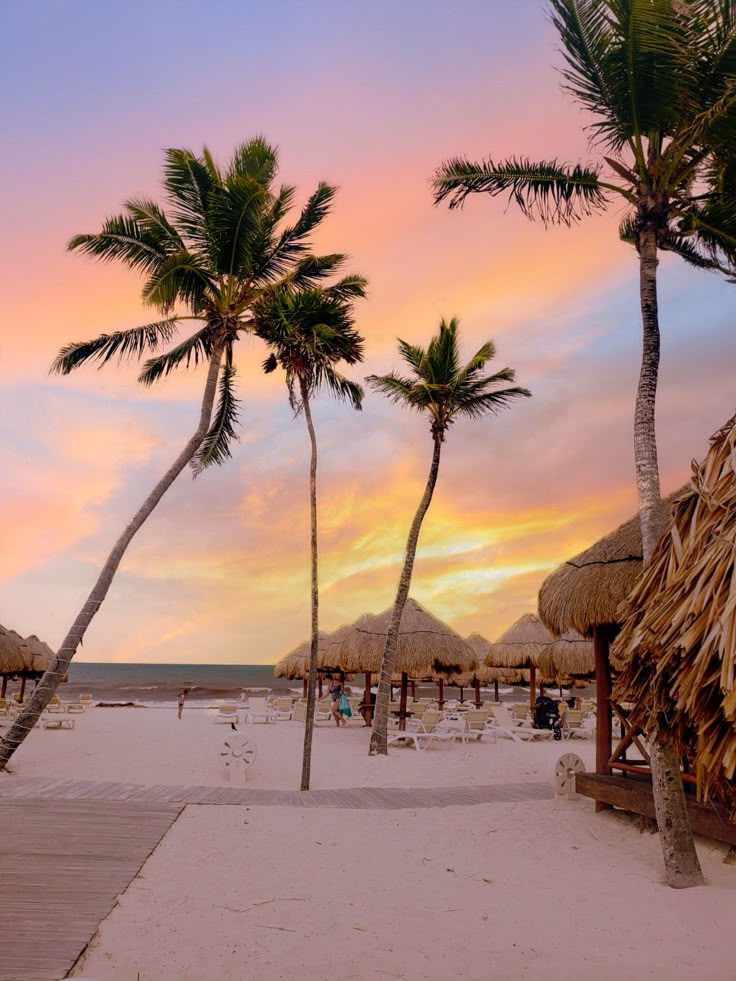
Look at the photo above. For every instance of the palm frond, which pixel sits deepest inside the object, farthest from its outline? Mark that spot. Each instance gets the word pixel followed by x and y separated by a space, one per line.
pixel 123 344
pixel 194 349
pixel 490 403
pixel 215 448
pixel 190 185
pixel 341 387
pixel 553 192
pixel 401 391
pixel 180 278
pixel 123 239
pixel 256 160
pixel 348 288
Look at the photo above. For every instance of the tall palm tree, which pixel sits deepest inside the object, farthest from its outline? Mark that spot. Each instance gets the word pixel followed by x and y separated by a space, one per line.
pixel 221 245
pixel 658 76
pixel 310 332
pixel 443 390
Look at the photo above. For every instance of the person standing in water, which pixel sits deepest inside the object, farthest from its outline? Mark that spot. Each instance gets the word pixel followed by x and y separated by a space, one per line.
pixel 180 701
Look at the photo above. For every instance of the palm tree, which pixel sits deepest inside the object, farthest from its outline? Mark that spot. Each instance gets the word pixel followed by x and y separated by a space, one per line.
pixel 221 246
pixel 443 390
pixel 658 77
pixel 311 332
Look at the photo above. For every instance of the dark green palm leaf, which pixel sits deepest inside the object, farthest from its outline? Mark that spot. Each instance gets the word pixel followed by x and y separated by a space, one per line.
pixel 547 190
pixel 215 448
pixel 123 344
pixel 194 349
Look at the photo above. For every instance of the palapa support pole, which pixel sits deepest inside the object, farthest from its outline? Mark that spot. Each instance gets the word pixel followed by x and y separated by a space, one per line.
pixel 441 700
pixel 478 702
pixel 495 689
pixel 367 699
pixel 402 700
pixel 320 686
pixel 22 688
pixel 413 690
pixel 5 686
pixel 604 723
pixel 532 687
pixel 462 695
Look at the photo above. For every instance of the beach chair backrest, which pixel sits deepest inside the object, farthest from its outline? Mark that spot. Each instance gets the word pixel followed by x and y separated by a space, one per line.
pixel 573 718
pixel 300 712
pixel 430 719
pixel 228 709
pixel 519 711
pixel 283 704
pixel 502 715
pixel 54 700
pixel 476 718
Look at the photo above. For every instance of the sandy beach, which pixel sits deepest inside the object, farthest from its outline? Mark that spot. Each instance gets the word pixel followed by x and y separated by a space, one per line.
pixel 544 889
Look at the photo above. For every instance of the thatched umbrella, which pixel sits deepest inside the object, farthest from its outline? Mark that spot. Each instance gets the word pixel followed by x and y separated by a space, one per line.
pixel 677 646
pixel 22 657
pixel 295 664
pixel 585 594
pixel 427 648
pixel 522 646
pixel 11 657
pixel 569 657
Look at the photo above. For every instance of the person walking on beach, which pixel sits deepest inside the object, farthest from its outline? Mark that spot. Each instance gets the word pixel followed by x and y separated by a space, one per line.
pixel 180 701
pixel 335 691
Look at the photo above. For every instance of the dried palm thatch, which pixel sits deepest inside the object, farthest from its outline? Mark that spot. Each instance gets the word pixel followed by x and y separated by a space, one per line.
pixel 677 647
pixel 571 657
pixel 23 655
pixel 11 654
pixel 487 675
pixel 428 649
pixel 295 664
pixel 587 590
pixel 522 645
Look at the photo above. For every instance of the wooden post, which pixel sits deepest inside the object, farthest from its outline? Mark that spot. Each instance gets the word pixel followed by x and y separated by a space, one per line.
pixel 602 705
pixel 402 700
pixel 441 700
pixel 22 688
pixel 304 687
pixel 367 699
pixel 478 702
pixel 495 690
pixel 532 687
pixel 5 686
pixel 320 686
pixel 462 695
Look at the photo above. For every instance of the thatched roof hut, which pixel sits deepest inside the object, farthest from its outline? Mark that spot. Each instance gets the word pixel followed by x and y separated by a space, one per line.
pixel 428 648
pixel 587 590
pixel 569 657
pixel 11 652
pixel 677 646
pixel 522 645
pixel 295 664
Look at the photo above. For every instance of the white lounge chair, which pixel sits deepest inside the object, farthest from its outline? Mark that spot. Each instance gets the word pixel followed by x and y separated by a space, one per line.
pixel 75 708
pixel 62 722
pixel 227 713
pixel 505 725
pixel 282 709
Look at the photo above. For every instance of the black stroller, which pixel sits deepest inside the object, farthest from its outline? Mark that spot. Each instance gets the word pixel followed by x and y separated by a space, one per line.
pixel 547 716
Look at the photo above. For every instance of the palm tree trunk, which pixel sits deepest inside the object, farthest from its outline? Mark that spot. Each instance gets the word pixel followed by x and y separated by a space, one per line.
pixel 379 735
pixel 678 847
pixel 58 668
pixel 312 682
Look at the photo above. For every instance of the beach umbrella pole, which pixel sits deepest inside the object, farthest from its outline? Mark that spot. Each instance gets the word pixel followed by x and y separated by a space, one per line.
pixel 532 687
pixel 495 689
pixel 478 702
pixel 320 686
pixel 22 688
pixel 304 686
pixel 402 701
pixel 602 705
pixel 441 700
pixel 367 699
pixel 5 686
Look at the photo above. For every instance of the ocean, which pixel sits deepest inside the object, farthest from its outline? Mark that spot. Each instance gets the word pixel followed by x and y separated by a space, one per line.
pixel 159 684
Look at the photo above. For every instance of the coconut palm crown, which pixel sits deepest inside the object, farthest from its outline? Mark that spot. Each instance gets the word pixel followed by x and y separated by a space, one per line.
pixel 659 78
pixel 443 388
pixel 220 243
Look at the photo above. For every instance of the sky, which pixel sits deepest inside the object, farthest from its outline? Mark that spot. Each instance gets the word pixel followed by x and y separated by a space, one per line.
pixel 370 96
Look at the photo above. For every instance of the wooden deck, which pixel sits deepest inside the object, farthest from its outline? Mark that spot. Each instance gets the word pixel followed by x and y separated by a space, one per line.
pixel 62 865
pixel 365 798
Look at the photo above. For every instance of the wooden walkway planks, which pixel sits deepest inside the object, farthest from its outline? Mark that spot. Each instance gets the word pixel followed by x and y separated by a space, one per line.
pixel 63 862
pixel 362 798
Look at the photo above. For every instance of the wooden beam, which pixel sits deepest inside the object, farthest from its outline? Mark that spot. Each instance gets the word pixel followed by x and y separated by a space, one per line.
pixel 710 820
pixel 478 702
pixel 22 689
pixel 532 687
pixel 441 700
pixel 5 686
pixel 367 699
pixel 495 690
pixel 402 700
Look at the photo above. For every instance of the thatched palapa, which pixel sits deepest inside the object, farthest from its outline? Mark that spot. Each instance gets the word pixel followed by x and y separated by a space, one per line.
pixel 428 649
pixel 677 646
pixel 587 590
pixel 522 645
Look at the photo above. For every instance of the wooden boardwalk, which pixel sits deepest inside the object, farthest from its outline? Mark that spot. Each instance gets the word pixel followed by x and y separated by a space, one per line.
pixel 63 862
pixel 365 798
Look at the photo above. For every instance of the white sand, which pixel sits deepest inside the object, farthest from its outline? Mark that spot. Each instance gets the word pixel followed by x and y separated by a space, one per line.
pixel 539 890
pixel 151 746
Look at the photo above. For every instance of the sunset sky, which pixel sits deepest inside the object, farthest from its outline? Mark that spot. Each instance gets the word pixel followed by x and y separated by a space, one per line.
pixel 370 96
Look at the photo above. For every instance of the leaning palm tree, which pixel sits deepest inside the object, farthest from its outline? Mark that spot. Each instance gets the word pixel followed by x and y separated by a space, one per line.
pixel 443 390
pixel 658 76
pixel 310 332
pixel 221 245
